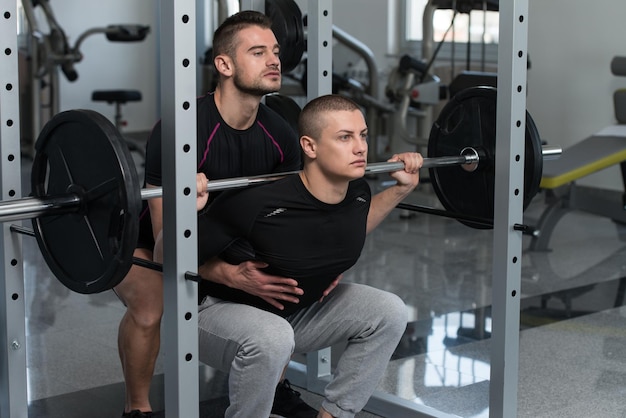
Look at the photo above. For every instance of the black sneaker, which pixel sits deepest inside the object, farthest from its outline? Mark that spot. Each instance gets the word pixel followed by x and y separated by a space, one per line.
pixel 287 403
pixel 136 413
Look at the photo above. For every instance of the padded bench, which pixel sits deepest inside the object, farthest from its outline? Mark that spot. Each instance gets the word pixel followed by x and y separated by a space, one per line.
pixel 597 152
pixel 119 97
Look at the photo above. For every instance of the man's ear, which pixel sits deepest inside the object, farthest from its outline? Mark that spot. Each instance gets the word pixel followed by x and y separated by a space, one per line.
pixel 309 146
pixel 224 65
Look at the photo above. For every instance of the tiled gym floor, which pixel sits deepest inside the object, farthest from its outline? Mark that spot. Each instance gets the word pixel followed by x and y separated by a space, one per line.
pixel 572 341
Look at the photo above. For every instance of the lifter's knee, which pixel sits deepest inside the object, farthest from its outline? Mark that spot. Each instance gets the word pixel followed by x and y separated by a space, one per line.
pixel 142 293
pixel 395 314
pixel 271 348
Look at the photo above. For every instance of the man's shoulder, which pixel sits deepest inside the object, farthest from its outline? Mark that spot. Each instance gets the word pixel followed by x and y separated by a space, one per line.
pixel 360 185
pixel 207 114
pixel 205 102
pixel 270 117
pixel 266 193
pixel 359 190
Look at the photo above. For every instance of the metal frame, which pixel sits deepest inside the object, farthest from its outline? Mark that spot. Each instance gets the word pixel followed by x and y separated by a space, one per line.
pixel 13 380
pixel 178 115
pixel 178 86
pixel 508 207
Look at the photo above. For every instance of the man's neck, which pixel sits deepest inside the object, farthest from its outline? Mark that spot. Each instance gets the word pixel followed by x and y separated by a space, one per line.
pixel 238 110
pixel 322 188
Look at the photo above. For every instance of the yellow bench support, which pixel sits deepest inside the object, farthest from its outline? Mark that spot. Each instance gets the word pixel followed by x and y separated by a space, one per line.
pixel 586 157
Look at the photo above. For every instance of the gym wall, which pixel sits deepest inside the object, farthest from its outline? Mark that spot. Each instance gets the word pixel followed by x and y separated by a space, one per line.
pixel 570 85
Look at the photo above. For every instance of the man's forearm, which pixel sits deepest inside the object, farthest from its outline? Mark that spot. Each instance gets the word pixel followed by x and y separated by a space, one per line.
pixel 217 271
pixel 383 203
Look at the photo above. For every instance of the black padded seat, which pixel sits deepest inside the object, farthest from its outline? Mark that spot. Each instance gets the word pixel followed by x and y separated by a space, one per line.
pixel 116 96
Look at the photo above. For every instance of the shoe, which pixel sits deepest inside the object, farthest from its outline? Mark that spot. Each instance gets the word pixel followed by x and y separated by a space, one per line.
pixel 288 404
pixel 136 413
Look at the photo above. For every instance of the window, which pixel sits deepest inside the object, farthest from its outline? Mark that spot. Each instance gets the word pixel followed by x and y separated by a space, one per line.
pixel 479 27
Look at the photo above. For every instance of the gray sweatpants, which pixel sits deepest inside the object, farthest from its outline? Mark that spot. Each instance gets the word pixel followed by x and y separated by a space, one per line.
pixel 254 346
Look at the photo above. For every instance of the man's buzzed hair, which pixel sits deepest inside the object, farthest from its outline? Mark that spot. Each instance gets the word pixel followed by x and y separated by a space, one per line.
pixel 311 120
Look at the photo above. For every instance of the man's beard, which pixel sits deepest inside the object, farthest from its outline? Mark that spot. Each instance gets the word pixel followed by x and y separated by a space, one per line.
pixel 254 89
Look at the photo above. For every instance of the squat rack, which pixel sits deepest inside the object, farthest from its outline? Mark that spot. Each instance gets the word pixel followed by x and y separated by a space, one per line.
pixel 178 112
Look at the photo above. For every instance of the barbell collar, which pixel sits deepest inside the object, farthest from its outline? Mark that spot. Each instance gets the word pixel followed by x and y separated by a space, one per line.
pixel 438 162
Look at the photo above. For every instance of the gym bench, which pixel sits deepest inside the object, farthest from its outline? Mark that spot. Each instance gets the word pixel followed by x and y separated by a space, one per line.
pixel 119 97
pixel 562 194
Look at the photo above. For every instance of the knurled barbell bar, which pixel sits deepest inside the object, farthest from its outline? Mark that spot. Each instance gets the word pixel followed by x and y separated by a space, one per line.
pixel 86 200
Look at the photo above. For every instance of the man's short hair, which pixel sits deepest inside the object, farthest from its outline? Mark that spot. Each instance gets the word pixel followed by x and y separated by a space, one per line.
pixel 225 36
pixel 311 121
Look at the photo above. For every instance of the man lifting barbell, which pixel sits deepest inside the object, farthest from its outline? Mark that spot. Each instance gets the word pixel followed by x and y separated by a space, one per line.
pixel 310 226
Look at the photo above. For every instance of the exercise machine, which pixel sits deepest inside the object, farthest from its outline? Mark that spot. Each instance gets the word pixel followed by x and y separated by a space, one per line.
pixel 43 55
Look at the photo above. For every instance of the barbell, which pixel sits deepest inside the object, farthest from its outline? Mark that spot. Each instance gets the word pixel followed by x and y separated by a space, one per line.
pixel 86 200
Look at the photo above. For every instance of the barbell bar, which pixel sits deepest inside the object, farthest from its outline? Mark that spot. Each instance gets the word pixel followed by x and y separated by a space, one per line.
pixel 33 207
pixel 470 157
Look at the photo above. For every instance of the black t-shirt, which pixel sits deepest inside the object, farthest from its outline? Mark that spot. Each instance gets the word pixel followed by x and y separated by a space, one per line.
pixel 297 235
pixel 269 146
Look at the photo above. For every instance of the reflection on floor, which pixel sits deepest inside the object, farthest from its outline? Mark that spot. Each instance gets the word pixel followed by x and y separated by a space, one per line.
pixel 572 340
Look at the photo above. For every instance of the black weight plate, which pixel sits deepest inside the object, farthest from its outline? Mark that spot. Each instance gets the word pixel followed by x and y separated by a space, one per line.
pixel 288 28
pixel 469 120
pixel 88 249
pixel 533 161
pixel 286 107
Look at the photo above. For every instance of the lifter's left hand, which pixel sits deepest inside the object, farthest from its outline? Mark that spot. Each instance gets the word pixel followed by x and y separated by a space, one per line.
pixel 406 181
pixel 409 177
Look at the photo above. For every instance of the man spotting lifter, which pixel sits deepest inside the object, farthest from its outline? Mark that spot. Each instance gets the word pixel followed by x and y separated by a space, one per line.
pixel 310 226
pixel 237 136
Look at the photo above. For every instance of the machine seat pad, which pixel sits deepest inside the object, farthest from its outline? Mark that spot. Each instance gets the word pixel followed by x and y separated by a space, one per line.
pixel 115 96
